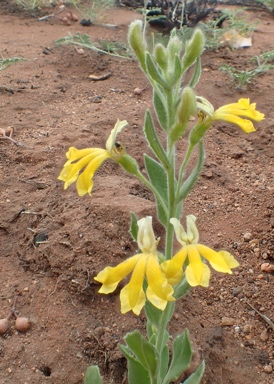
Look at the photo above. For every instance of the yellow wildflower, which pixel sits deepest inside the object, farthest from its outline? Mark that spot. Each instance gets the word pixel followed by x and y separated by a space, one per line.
pixel 89 159
pixel 144 264
pixel 197 272
pixel 232 113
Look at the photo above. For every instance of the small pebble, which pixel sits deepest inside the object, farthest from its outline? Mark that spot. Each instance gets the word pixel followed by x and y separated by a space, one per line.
pixel 247 328
pixel 227 321
pixel 268 368
pixel 264 336
pixel 247 236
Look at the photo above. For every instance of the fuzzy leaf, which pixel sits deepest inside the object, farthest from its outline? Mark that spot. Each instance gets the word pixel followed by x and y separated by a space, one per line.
pixel 144 352
pixel 92 375
pixel 164 361
pixel 153 314
pixel 154 72
pixel 136 372
pixel 181 289
pixel 160 109
pixel 153 139
pixel 196 74
pixel 158 178
pixel 192 178
pixel 196 377
pixel 181 357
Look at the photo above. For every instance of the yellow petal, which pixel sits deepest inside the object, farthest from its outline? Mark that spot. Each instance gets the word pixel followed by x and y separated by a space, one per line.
pixel 251 113
pixel 173 268
pixel 113 134
pixel 84 183
pixel 71 169
pixel 216 259
pixel 246 125
pixel 194 279
pixel 197 272
pixel 75 154
pixel 111 276
pixel 229 259
pixel 132 296
pixel 158 292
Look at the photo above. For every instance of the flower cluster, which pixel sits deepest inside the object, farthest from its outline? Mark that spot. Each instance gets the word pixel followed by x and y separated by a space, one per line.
pixel 161 278
pixel 143 265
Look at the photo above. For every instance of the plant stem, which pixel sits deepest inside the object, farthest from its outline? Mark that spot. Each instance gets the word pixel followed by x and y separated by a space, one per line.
pixel 165 317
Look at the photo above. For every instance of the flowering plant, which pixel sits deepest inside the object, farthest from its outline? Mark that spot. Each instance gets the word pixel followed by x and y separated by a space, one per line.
pixel 158 279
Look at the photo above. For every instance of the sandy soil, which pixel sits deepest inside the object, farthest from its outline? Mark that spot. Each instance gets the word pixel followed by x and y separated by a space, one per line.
pixel 52 104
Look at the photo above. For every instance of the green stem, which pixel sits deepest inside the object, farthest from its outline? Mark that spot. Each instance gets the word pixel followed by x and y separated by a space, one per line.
pixel 165 317
pixel 171 212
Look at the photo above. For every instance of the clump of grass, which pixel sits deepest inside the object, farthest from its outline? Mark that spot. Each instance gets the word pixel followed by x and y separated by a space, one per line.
pixel 269 4
pixel 242 78
pixel 96 9
pixel 112 48
pixel 31 5
pixel 4 63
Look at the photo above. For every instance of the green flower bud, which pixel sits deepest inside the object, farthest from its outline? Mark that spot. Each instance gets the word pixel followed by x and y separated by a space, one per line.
pixel 129 164
pixel 194 49
pixel 160 55
pixel 136 41
pixel 174 47
pixel 186 108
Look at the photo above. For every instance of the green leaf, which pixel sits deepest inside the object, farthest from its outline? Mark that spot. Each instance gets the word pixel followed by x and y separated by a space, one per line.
pixel 145 353
pixel 153 139
pixel 153 314
pixel 136 372
pixel 133 226
pixel 196 377
pixel 181 289
pixel 158 178
pixel 181 357
pixel 164 361
pixel 160 109
pixel 176 73
pixel 155 72
pixel 196 74
pixel 193 177
pixel 92 375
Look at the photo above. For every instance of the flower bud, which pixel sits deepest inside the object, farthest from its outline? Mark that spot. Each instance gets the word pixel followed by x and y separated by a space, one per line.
pixel 174 47
pixel 194 49
pixel 146 238
pixel 186 108
pixel 160 55
pixel 136 41
pixel 129 164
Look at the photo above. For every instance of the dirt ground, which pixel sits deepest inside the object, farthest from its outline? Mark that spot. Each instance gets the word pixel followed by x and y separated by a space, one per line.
pixel 52 104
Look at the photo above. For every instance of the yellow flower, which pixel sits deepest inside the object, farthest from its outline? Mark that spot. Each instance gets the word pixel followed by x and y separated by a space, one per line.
pixel 144 264
pixel 197 272
pixel 232 113
pixel 89 159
